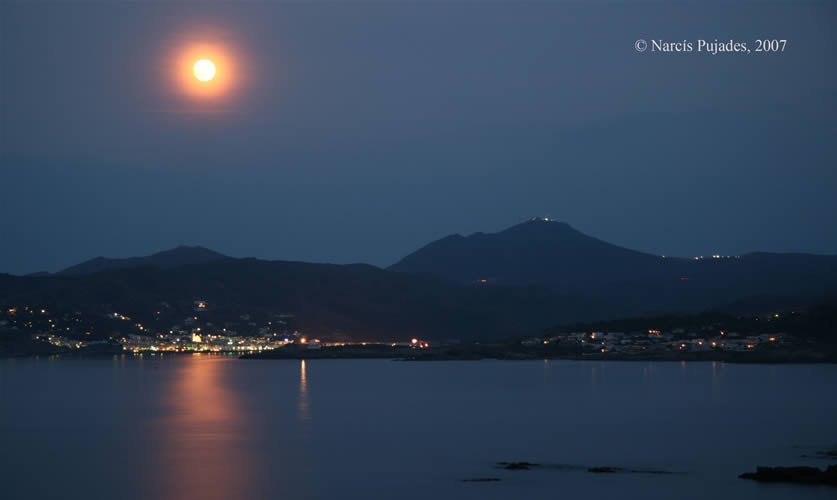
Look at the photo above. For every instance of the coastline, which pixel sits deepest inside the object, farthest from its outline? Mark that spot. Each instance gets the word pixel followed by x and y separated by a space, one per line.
pixel 477 352
pixel 463 352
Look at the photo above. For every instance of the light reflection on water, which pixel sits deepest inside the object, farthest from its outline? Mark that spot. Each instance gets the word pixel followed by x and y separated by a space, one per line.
pixel 304 414
pixel 202 452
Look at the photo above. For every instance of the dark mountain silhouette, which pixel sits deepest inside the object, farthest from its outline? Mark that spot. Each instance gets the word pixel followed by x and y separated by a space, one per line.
pixel 528 277
pixel 360 301
pixel 553 254
pixel 176 257
pixel 536 251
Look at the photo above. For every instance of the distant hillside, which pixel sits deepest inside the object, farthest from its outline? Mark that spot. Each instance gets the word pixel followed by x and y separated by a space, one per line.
pixel 358 301
pixel 176 257
pixel 484 286
pixel 553 254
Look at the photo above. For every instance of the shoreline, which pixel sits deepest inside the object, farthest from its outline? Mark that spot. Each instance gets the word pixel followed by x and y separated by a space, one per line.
pixel 471 352
pixel 480 352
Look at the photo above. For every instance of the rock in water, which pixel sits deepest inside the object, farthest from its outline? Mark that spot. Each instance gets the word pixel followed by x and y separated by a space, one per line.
pixel 799 475
pixel 603 470
pixel 517 465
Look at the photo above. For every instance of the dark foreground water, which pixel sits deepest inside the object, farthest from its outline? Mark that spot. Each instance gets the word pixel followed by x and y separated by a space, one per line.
pixel 209 427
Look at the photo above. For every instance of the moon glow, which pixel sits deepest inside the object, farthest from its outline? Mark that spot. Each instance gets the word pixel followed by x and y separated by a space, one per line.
pixel 210 68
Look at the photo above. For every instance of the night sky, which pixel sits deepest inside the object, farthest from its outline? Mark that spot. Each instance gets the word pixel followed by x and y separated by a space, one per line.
pixel 359 131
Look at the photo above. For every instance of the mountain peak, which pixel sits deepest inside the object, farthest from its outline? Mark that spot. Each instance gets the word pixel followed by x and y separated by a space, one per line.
pixel 541 220
pixel 540 224
pixel 185 251
pixel 175 257
pixel 538 250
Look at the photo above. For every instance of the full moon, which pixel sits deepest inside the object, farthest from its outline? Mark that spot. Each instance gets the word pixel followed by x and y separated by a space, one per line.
pixel 204 70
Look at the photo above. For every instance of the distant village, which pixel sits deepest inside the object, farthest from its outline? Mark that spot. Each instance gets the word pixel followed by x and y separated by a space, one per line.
pixel 116 331
pixel 653 340
pixel 196 327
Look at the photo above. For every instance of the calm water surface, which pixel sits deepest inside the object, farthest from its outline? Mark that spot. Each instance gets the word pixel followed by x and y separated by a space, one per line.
pixel 212 427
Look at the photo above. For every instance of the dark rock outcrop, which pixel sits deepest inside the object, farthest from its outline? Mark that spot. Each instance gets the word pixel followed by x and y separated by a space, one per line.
pixel 516 465
pixel 604 470
pixel 799 475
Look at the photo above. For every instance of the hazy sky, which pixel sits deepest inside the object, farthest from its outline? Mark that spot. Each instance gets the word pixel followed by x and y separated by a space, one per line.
pixel 359 131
